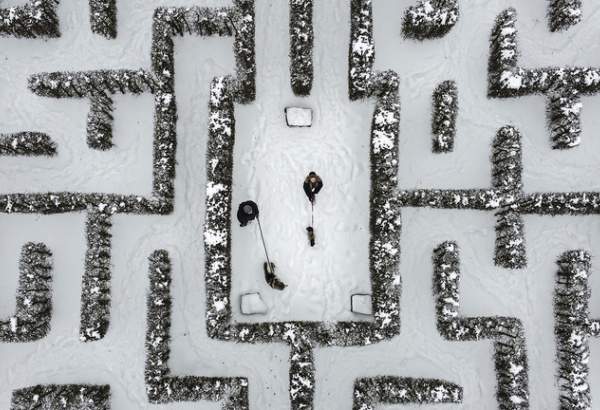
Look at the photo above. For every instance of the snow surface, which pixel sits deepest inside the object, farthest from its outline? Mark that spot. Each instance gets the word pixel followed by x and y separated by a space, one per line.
pixel 270 163
pixel 252 304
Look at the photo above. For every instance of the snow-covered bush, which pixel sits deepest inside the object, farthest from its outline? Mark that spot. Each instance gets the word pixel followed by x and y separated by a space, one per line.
pixel 31 320
pixel 103 17
pixel 100 121
pixel 508 335
pixel 563 87
pixel 36 18
pixel 445 111
pixel 27 144
pixel 161 386
pixel 301 46
pixel 573 329
pixel 564 13
pixel 371 392
pixel 430 19
pixel 64 397
pixel 95 286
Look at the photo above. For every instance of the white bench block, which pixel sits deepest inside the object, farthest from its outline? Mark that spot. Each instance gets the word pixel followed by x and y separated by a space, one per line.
pixel 253 304
pixel 298 117
pixel 362 304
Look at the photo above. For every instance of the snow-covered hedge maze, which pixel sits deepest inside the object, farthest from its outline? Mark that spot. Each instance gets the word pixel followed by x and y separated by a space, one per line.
pixel 505 197
pixel 161 386
pixel 507 333
pixel 33 309
pixel 384 246
pixel 562 86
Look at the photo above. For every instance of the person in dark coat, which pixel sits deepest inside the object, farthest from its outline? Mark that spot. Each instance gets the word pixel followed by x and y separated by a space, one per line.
pixel 247 211
pixel 312 186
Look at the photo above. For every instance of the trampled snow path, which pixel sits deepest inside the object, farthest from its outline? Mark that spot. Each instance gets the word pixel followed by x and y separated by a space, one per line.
pixel 419 351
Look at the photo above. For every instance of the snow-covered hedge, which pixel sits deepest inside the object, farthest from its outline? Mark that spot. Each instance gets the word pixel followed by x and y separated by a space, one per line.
pixel 507 169
pixel 100 121
pixel 103 17
pixel 510 240
pixel 31 320
pixel 508 335
pixel 430 19
pixel 98 86
pixel 573 329
pixel 36 18
pixel 237 21
pixel 161 386
pixel 445 111
pixel 564 13
pixel 301 46
pixel 504 197
pixel 302 374
pixel 95 286
pixel 362 50
pixel 372 392
pixel 563 87
pixel 64 397
pixel 27 144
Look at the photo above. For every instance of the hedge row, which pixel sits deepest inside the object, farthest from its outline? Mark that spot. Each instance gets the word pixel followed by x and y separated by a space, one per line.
pixel 430 19
pixel 31 320
pixel 103 17
pixel 301 46
pixel 510 355
pixel 161 386
pixel 369 393
pixel 64 397
pixel 36 18
pixel 573 328
pixel 563 86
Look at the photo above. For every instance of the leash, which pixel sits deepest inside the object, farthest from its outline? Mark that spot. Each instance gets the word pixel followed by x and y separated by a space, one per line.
pixel 262 237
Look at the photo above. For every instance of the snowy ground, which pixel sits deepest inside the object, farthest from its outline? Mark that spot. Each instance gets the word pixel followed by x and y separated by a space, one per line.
pixel 270 163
